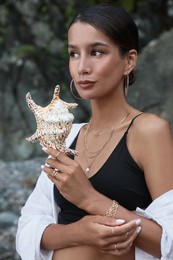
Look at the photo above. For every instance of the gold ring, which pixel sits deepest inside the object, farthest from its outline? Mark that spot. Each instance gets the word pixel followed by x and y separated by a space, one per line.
pixel 55 172
pixel 113 231
pixel 56 157
pixel 116 250
pixel 127 234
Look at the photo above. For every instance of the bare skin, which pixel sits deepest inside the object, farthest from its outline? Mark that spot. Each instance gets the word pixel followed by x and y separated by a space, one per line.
pixel 88 253
pixel 150 145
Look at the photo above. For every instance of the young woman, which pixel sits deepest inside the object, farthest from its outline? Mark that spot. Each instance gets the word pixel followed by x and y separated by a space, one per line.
pixel 113 200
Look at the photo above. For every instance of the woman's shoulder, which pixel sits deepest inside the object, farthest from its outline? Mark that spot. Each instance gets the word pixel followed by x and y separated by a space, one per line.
pixel 150 135
pixel 149 125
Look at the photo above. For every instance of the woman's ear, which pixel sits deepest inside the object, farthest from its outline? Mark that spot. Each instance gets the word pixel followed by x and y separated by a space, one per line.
pixel 131 61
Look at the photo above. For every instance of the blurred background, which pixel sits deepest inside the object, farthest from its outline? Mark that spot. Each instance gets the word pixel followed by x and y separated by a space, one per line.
pixel 33 57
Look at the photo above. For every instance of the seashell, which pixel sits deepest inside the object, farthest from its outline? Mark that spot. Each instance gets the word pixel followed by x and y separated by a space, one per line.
pixel 54 122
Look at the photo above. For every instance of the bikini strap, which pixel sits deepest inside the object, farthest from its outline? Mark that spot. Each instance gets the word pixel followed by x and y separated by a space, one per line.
pixel 132 122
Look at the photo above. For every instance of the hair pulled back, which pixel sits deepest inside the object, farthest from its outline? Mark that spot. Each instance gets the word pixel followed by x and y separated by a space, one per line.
pixel 114 22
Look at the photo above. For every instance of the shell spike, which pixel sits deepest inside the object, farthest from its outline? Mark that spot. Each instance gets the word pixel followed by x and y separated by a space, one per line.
pixel 33 138
pixel 56 93
pixel 31 104
pixel 71 105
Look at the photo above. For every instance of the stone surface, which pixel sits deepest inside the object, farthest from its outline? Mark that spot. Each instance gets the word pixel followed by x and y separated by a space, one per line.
pixel 153 91
pixel 17 180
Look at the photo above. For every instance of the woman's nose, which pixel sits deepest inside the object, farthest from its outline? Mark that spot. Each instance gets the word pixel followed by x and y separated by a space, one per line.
pixel 84 66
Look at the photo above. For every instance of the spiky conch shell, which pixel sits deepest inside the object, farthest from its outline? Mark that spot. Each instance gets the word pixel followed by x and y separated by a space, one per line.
pixel 54 122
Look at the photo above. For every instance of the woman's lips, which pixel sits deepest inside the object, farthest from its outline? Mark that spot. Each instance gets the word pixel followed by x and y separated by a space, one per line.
pixel 86 83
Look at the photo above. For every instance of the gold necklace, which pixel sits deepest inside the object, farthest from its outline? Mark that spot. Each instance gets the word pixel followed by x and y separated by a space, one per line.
pixel 87 170
pixel 95 154
pixel 86 133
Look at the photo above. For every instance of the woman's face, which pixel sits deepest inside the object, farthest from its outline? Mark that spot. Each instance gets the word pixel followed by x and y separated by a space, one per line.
pixel 95 62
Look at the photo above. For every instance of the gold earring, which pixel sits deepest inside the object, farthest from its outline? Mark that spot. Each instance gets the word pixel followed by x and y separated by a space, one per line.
pixel 126 84
pixel 71 90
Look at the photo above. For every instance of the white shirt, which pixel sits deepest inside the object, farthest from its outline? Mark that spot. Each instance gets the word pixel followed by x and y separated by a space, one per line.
pixel 41 210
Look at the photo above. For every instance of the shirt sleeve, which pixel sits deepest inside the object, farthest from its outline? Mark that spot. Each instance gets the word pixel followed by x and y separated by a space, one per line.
pixel 160 211
pixel 38 212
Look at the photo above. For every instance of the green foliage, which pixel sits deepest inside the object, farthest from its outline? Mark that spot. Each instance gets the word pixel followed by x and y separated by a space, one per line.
pixel 25 50
pixel 44 11
pixel 2 34
pixel 128 5
pixel 69 12
pixel 4 23
pixel 64 88
pixel 2 39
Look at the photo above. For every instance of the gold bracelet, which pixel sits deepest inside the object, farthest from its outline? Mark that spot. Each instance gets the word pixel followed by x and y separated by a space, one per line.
pixel 112 211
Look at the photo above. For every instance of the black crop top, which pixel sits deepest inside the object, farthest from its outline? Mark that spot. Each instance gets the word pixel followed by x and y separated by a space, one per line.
pixel 120 178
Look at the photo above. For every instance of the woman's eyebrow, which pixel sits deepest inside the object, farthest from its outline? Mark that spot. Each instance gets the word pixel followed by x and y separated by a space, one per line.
pixel 71 46
pixel 95 44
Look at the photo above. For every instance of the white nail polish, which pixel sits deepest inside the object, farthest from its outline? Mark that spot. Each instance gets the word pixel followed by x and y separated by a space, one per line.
pixel 120 221
pixel 42 166
pixel 138 230
pixel 44 148
pixel 138 222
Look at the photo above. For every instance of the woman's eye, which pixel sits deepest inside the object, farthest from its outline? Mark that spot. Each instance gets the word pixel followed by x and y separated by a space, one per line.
pixel 73 54
pixel 96 53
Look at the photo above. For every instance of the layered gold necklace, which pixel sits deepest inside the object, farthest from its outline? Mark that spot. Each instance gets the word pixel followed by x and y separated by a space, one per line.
pixel 92 155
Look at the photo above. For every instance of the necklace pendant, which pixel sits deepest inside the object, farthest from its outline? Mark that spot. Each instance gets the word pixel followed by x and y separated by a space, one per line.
pixel 87 169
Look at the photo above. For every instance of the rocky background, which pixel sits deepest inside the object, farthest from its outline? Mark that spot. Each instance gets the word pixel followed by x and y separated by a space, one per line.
pixel 17 180
pixel 153 89
pixel 33 58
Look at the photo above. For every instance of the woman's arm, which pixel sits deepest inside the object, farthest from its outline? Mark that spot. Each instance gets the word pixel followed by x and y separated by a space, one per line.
pixel 95 231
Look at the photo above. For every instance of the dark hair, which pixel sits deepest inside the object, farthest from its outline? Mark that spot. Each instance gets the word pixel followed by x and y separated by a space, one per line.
pixel 116 23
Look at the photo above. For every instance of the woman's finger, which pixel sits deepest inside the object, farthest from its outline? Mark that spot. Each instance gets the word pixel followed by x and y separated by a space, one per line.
pixel 126 229
pixel 57 155
pixel 119 247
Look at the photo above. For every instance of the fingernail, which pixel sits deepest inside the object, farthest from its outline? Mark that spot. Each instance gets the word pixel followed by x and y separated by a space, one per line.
pixel 44 148
pixel 47 165
pixel 138 222
pixel 138 230
pixel 120 221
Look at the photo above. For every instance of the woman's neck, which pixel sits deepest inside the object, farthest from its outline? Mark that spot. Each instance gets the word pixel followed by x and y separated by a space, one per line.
pixel 105 114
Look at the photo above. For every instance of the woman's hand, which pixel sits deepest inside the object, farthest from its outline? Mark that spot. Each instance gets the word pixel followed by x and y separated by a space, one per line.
pixel 109 236
pixel 69 178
